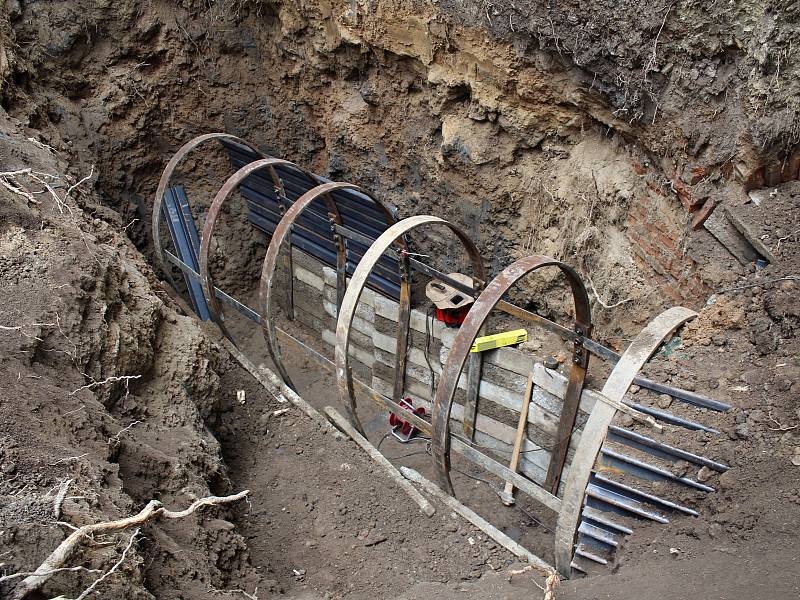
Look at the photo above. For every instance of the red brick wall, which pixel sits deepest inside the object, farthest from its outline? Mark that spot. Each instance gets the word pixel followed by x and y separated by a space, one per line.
pixel 657 225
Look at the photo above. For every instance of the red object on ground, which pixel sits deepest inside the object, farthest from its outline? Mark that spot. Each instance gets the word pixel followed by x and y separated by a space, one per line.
pixel 402 429
pixel 452 317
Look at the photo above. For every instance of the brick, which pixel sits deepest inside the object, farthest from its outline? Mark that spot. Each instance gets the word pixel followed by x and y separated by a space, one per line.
pixel 754 180
pixel 697 174
pixel 687 199
pixel 702 215
pixel 667 242
pixel 656 189
pixel 727 169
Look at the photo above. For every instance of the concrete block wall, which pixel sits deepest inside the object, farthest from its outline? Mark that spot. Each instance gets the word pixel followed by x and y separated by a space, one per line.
pixel 373 347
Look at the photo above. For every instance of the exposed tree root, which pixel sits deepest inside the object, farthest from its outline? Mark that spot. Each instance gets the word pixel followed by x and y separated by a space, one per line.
pixel 153 511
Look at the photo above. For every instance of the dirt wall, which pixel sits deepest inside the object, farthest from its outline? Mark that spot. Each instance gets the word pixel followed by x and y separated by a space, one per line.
pixel 537 128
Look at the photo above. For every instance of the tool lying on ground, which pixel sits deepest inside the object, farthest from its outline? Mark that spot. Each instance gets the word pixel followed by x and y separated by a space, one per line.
pixel 498 340
pixel 402 429
pixel 507 495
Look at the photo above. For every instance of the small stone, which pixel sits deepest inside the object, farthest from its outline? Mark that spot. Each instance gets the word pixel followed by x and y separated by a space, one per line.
pixel 741 417
pixel 796 457
pixel 635 389
pixel 742 431
pixel 674 551
pixel 451 526
pixel 704 474
pixel 531 345
pixel 714 530
pixel 664 401
pixel 626 420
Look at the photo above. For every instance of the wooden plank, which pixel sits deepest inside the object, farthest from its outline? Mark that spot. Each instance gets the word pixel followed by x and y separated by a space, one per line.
pixel 566 424
pixel 556 384
pixel 473 388
pixel 508 491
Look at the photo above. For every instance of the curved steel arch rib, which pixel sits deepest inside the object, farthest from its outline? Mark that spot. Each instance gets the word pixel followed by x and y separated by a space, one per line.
pixel 231 185
pixel 596 428
pixel 281 233
pixel 344 379
pixel 445 392
pixel 166 176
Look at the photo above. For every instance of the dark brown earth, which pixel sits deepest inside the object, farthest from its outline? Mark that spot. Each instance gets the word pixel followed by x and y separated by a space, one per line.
pixel 525 123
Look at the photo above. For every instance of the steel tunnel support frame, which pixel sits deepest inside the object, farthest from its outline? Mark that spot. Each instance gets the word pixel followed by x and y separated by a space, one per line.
pixel 596 428
pixel 231 185
pixel 281 234
pixel 469 330
pixel 344 379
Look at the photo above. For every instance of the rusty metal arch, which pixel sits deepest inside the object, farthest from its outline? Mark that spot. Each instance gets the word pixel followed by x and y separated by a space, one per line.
pixel 344 378
pixel 445 392
pixel 596 428
pixel 282 231
pixel 231 185
pixel 166 176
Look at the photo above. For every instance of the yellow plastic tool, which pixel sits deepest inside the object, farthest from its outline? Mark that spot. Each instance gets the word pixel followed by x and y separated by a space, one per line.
pixel 498 340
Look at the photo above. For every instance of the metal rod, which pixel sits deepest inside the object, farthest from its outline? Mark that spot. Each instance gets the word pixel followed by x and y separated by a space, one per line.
pixel 636 440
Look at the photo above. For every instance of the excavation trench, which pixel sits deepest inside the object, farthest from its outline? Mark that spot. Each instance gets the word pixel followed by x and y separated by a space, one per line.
pixel 654 154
